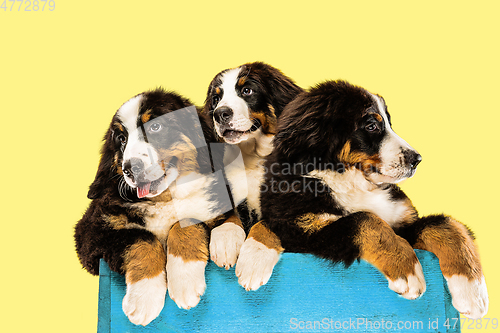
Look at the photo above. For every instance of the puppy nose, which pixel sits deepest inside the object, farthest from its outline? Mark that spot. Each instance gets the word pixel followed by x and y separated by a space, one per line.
pixel 413 159
pixel 134 166
pixel 223 114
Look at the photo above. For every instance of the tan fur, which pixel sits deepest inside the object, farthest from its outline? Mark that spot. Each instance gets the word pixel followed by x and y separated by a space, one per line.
pixel 146 116
pixel 268 122
pixel 189 243
pixel 144 260
pixel 186 154
pixel 311 223
pixel 454 247
pixel 364 161
pixel 265 236
pixel 381 247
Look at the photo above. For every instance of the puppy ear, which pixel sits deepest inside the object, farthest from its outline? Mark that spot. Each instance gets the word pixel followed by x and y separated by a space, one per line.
pixel 280 88
pixel 105 169
pixel 307 131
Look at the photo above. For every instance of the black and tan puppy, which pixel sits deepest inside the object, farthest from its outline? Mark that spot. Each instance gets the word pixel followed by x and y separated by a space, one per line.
pixel 243 105
pixel 330 189
pixel 154 184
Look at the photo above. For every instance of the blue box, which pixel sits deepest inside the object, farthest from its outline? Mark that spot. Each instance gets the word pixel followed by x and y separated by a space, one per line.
pixel 304 294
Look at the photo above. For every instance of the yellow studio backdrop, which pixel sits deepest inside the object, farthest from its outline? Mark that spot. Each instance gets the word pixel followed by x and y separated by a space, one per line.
pixel 64 72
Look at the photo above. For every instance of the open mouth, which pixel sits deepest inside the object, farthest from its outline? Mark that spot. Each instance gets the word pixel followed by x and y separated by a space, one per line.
pixel 232 134
pixel 162 182
pixel 143 189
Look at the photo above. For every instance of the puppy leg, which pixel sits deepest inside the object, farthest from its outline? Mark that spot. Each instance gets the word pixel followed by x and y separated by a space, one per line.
pixel 458 257
pixel 144 266
pixel 187 256
pixel 226 241
pixel 364 235
pixel 258 256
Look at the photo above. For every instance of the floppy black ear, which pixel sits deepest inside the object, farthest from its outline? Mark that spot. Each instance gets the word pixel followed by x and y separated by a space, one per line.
pixel 104 170
pixel 281 89
pixel 308 131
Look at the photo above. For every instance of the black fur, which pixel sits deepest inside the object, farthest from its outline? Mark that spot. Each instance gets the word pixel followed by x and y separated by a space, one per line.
pixel 95 237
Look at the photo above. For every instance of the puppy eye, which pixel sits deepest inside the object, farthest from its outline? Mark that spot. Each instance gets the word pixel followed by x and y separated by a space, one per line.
pixel 215 100
pixel 155 127
pixel 371 127
pixel 246 91
pixel 122 139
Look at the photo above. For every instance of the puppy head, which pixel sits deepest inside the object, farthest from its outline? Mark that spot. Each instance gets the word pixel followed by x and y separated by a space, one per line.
pixel 243 103
pixel 336 125
pixel 153 139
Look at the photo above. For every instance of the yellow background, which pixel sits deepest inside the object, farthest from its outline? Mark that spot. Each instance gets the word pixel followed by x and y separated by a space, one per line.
pixel 64 73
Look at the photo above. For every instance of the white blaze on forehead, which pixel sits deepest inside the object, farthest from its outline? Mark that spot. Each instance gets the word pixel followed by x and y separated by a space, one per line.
pixel 129 112
pixel 392 146
pixel 230 97
pixel 136 146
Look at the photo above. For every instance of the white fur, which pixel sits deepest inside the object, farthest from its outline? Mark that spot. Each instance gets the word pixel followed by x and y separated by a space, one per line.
pixel 144 299
pixel 186 281
pixel 241 114
pixel 225 243
pixel 255 264
pixel 191 200
pixel 354 193
pixel 129 112
pixel 411 288
pixel 391 149
pixel 470 297
pixel 234 167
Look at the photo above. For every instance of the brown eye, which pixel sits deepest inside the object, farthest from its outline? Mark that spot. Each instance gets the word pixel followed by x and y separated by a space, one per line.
pixel 215 100
pixel 122 139
pixel 372 127
pixel 246 91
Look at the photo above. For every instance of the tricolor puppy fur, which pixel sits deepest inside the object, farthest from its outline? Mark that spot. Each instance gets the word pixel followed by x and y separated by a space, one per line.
pixel 243 105
pixel 331 190
pixel 154 182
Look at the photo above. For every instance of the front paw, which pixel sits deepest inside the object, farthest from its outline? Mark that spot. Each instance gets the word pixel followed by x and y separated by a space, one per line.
pixel 225 243
pixel 255 264
pixel 470 297
pixel 186 281
pixel 411 286
pixel 144 299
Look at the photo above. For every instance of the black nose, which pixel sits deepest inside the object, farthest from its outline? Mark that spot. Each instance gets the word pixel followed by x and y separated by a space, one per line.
pixel 413 159
pixel 223 114
pixel 134 167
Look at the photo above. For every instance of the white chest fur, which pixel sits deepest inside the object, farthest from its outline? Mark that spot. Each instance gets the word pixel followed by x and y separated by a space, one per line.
pixel 355 194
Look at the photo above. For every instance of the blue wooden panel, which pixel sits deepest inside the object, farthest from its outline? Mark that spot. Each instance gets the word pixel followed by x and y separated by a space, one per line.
pixel 305 294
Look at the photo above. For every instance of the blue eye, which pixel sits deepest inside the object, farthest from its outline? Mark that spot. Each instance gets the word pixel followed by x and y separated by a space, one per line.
pixel 155 127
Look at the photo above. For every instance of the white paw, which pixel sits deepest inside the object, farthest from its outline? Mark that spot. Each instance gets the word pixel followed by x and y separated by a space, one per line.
pixel 470 297
pixel 255 264
pixel 225 244
pixel 144 299
pixel 411 288
pixel 186 281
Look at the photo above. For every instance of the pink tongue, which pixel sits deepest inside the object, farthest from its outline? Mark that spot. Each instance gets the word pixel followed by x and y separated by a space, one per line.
pixel 142 191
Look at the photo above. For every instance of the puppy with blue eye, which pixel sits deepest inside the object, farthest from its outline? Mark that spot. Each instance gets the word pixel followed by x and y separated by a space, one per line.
pixel 333 192
pixel 242 106
pixel 154 186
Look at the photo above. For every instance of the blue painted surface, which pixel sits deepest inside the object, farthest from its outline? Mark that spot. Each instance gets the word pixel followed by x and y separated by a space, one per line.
pixel 305 294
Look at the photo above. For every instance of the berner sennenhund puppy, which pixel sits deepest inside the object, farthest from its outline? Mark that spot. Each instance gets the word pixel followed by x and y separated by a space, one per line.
pixel 156 182
pixel 330 189
pixel 243 105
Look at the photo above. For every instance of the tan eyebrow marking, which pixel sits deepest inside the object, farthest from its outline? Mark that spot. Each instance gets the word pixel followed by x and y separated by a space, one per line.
pixel 146 116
